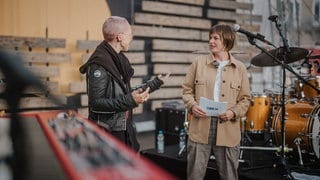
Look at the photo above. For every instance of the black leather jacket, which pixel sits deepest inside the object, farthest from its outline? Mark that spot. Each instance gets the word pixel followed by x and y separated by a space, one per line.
pixel 108 103
pixel 108 86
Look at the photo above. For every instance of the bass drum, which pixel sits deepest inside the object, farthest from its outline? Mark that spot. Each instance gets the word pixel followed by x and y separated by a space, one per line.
pixel 302 121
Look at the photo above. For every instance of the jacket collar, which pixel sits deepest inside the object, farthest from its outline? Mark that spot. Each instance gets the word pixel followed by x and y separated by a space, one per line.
pixel 211 59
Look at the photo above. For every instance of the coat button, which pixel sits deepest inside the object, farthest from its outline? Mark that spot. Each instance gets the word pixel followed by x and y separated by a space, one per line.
pixel 222 95
pixel 224 69
pixel 223 81
pixel 238 86
pixel 220 121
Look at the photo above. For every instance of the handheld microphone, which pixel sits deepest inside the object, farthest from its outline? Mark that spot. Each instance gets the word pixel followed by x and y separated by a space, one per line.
pixel 236 28
pixel 273 18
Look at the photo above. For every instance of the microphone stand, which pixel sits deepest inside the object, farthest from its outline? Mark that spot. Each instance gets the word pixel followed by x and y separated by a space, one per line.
pixel 283 113
pixel 284 66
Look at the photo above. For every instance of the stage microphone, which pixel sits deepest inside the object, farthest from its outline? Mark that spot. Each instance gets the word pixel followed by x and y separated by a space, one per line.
pixel 216 64
pixel 273 18
pixel 236 28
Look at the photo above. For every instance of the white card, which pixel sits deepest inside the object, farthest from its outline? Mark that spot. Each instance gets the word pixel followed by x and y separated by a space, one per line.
pixel 213 108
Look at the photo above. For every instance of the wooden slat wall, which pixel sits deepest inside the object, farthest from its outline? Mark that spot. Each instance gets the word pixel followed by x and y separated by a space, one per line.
pixel 42 71
pixel 175 45
pixel 12 42
pixel 194 2
pixel 172 57
pixel 167 93
pixel 42 63
pixel 44 57
pixel 173 68
pixel 230 4
pixel 136 45
pixel 176 21
pixel 229 15
pixel 179 31
pixel 175 81
pixel 167 8
pixel 164 32
pixel 35 102
pixel 52 87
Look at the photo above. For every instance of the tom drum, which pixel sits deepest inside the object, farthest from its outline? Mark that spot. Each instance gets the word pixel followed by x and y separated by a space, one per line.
pixel 258 113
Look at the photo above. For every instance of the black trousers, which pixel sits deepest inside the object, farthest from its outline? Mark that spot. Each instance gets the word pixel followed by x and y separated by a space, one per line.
pixel 128 137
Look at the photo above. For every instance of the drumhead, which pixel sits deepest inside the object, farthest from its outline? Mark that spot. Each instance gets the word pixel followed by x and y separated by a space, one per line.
pixel 315 134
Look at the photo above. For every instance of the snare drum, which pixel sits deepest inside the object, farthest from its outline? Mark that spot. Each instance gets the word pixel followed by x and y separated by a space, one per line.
pixel 302 121
pixel 305 91
pixel 258 113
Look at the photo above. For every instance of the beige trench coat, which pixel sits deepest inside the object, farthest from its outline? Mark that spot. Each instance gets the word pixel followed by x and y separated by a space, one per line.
pixel 235 89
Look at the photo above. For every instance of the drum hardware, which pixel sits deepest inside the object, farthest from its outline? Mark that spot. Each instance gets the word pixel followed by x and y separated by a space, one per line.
pixel 266 125
pixel 305 115
pixel 293 101
pixel 310 136
pixel 297 142
pixel 181 151
pixel 186 121
pixel 301 134
pixel 251 125
pixel 244 136
pixel 281 56
pixel 277 149
pixel 241 154
pixel 186 127
pixel 212 157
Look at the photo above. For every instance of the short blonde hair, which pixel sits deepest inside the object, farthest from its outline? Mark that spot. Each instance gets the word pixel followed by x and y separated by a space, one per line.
pixel 113 26
pixel 226 34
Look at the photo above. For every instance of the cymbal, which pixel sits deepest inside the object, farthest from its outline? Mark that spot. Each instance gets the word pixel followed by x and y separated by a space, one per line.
pixel 295 54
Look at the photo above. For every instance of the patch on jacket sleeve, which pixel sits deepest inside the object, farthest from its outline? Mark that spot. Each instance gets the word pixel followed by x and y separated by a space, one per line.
pixel 97 73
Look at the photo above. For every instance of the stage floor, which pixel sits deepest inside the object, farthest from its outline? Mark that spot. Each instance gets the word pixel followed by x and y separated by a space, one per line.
pixel 254 164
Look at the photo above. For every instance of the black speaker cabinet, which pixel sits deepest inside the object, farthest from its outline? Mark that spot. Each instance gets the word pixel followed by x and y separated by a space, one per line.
pixel 170 121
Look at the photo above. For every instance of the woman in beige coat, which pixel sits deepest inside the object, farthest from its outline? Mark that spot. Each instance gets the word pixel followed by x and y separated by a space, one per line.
pixel 220 77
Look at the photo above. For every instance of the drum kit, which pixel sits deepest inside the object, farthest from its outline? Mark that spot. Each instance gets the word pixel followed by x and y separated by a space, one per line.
pixel 300 130
pixel 292 122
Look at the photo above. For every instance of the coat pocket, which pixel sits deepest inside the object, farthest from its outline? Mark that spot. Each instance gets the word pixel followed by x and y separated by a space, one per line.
pixel 235 86
pixel 199 86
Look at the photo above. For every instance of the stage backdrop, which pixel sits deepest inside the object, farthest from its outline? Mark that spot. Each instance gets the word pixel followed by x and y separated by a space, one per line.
pixel 68 19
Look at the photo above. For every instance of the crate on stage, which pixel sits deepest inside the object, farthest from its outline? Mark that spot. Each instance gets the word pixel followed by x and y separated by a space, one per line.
pixel 170 121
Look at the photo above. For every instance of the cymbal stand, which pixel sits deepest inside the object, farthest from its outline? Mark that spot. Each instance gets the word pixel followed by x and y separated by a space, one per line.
pixel 297 142
pixel 284 67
